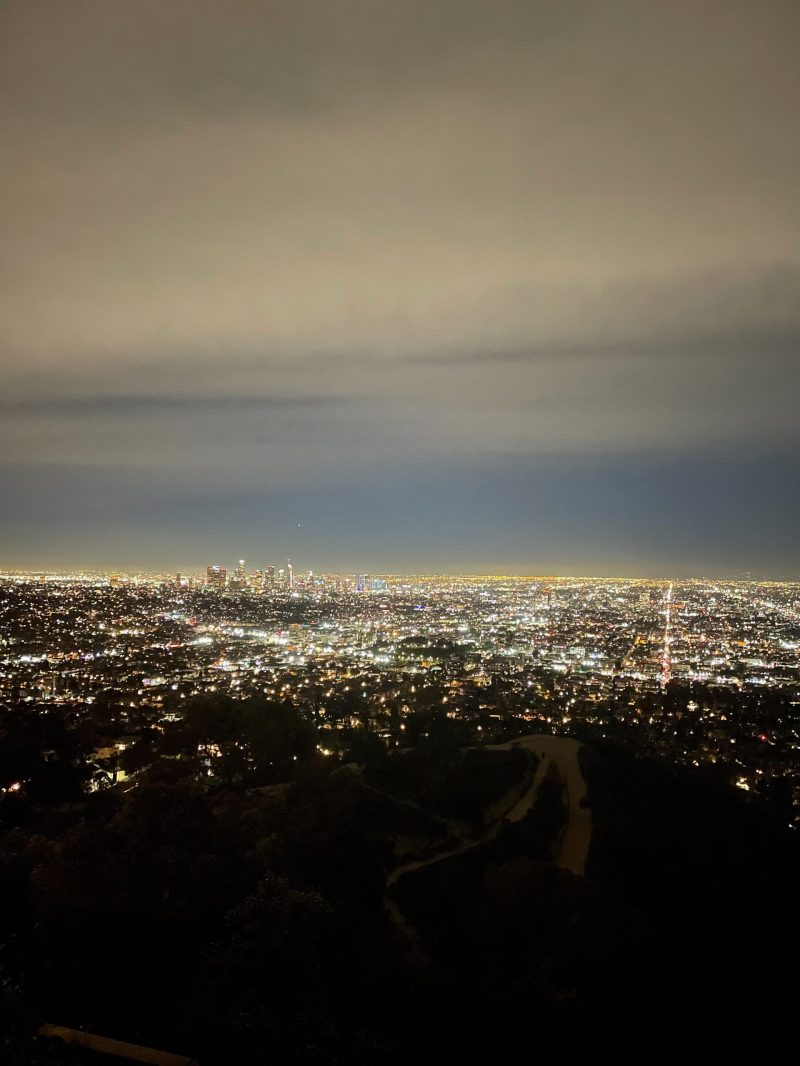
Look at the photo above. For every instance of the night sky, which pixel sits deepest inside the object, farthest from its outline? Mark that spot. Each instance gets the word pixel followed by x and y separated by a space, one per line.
pixel 431 285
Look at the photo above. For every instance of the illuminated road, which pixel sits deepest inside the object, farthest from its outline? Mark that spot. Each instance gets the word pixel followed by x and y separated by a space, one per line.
pixel 666 660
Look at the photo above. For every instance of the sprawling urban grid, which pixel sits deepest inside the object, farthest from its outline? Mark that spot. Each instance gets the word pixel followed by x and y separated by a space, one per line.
pixel 699 671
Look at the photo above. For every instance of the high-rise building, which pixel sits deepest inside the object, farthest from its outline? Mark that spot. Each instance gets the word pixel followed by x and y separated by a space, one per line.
pixel 289 573
pixel 239 576
pixel 270 576
pixel 216 577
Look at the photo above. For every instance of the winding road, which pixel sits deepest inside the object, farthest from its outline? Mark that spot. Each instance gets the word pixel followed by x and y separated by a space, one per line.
pixel 562 752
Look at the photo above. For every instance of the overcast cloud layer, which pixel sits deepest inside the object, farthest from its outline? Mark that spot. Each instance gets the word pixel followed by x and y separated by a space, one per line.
pixel 447 285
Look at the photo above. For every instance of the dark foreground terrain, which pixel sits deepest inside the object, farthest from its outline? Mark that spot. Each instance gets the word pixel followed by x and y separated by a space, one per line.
pixel 244 916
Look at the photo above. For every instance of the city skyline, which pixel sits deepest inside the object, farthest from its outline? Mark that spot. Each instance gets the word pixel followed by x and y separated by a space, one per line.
pixel 198 573
pixel 458 287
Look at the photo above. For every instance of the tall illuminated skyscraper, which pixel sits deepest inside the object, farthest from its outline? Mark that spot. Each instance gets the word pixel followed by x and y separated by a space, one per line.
pixel 216 577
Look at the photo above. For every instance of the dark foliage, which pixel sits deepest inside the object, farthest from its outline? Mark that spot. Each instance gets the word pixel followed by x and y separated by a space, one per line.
pixel 241 916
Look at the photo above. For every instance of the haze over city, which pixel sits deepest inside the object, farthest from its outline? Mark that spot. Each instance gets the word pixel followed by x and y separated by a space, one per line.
pixel 449 287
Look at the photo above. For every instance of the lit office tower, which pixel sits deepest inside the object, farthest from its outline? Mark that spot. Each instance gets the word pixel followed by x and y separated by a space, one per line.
pixel 216 577
pixel 289 573
pixel 359 582
pixel 239 575
pixel 270 576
